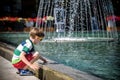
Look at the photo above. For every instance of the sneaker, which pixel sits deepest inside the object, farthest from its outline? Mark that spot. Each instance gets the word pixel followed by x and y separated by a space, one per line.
pixel 26 73
pixel 18 72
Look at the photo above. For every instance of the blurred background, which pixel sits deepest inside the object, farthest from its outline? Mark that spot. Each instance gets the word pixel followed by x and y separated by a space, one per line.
pixel 23 13
pixel 28 8
pixel 19 8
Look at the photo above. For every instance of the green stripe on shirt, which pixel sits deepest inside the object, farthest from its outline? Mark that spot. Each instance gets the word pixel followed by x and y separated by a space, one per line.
pixel 17 52
pixel 26 49
pixel 15 61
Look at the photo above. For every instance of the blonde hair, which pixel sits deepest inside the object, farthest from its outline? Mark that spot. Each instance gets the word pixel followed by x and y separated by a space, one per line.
pixel 36 32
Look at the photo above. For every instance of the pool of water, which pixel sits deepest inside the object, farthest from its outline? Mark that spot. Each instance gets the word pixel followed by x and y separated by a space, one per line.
pixel 101 59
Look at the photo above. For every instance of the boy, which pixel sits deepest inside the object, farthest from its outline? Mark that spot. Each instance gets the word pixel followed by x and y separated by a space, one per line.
pixel 24 55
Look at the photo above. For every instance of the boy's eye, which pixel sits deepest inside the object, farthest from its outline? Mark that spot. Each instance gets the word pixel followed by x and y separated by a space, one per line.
pixel 40 39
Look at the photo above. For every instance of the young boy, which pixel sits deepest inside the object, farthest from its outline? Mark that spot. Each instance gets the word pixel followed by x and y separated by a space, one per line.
pixel 24 55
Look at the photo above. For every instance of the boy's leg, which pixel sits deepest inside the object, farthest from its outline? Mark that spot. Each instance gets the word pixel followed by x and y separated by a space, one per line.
pixel 35 57
pixel 31 57
pixel 21 66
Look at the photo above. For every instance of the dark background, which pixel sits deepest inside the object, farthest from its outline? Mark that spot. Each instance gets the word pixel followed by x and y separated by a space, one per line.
pixel 28 8
pixel 116 7
pixel 19 8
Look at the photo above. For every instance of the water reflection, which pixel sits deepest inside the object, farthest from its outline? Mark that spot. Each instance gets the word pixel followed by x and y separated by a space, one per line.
pixel 98 58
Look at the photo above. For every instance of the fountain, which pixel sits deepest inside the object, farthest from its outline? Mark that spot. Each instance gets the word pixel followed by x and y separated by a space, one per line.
pixel 72 28
pixel 76 20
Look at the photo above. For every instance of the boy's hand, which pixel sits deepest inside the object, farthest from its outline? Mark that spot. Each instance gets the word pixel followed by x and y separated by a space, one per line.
pixel 45 62
pixel 34 67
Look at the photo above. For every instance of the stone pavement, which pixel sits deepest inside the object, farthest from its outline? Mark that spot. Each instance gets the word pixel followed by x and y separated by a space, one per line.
pixel 8 72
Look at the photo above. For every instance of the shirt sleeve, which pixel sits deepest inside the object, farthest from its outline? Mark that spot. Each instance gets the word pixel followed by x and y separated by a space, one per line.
pixel 27 47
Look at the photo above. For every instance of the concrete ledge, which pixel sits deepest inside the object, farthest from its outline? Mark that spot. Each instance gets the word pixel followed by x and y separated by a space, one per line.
pixel 52 70
pixel 7 72
pixel 6 51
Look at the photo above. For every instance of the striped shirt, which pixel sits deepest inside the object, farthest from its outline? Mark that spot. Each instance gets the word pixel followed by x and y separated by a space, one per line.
pixel 26 46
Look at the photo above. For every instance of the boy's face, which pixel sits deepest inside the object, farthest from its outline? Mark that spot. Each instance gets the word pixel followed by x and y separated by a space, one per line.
pixel 37 39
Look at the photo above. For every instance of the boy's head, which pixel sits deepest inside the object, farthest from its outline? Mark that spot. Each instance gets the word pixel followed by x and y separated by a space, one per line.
pixel 36 35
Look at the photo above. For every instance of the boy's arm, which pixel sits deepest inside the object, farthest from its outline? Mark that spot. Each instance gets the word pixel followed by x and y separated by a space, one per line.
pixel 23 58
pixel 43 59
